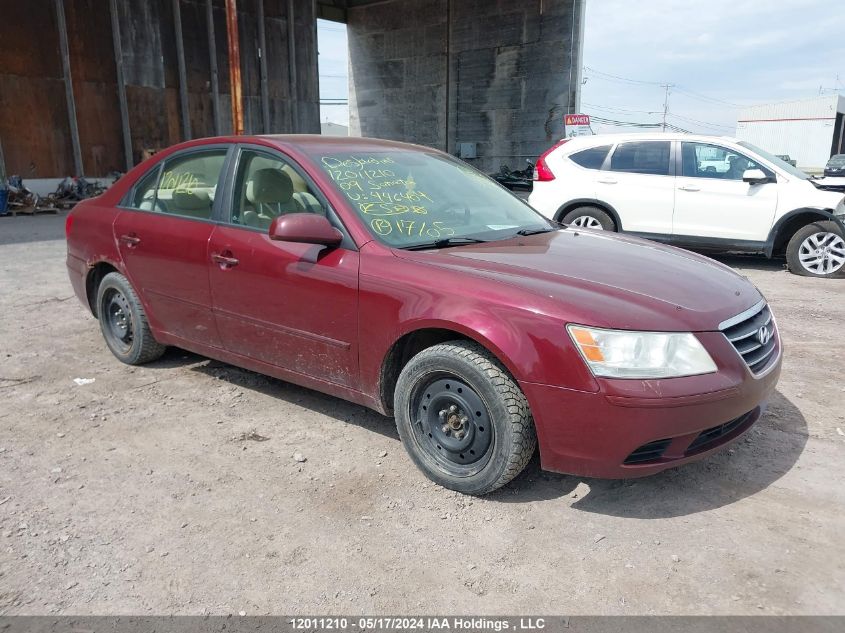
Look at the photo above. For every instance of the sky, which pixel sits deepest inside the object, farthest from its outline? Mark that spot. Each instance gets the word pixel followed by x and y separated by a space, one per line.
pixel 333 61
pixel 719 55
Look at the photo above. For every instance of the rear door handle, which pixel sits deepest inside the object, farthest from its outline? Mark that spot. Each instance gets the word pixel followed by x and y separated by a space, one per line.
pixel 130 239
pixel 608 181
pixel 225 260
pixel 689 188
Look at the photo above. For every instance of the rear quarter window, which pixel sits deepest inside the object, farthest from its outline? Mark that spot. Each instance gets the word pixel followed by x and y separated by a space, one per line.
pixel 592 158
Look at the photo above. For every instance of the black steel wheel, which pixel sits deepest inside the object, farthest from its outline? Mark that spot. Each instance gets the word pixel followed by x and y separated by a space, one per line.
pixel 462 418
pixel 123 322
pixel 451 423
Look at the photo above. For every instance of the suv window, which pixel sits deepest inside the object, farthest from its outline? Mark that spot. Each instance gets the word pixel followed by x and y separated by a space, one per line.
pixel 185 185
pixel 266 187
pixel 648 157
pixel 591 158
pixel 701 160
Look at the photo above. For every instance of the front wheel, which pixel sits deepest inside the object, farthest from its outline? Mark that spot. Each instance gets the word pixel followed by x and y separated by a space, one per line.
pixel 817 250
pixel 463 419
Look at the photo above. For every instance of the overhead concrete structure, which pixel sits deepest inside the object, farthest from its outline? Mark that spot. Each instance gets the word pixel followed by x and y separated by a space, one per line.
pixel 490 80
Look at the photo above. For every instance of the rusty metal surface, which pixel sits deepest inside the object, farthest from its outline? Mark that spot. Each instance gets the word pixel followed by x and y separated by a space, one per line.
pixel 234 66
pixel 34 122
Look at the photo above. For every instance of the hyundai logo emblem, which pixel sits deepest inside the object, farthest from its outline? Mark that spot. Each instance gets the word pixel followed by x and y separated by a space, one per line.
pixel 764 335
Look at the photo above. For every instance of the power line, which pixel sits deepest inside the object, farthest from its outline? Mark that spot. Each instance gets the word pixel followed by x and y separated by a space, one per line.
pixel 630 80
pixel 619 78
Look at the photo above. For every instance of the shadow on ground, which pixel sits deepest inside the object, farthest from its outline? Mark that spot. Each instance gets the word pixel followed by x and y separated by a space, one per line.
pixel 766 453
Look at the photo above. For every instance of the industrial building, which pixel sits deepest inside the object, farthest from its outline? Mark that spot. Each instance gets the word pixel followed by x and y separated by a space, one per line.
pixel 88 87
pixel 809 131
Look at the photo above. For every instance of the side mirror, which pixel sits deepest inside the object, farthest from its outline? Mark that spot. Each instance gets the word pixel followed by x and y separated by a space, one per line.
pixel 754 176
pixel 306 228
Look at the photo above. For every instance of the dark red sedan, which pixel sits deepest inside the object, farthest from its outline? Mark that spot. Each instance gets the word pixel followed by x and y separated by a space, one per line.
pixel 397 277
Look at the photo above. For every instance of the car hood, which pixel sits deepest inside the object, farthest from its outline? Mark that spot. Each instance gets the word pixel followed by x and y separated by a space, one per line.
pixel 606 280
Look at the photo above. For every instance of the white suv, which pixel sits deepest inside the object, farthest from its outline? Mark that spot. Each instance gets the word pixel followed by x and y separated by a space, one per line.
pixel 701 192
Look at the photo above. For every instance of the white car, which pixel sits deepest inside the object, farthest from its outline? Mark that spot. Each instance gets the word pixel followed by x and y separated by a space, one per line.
pixel 700 192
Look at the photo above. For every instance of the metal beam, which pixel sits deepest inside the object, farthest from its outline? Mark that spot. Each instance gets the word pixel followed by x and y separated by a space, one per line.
pixel 121 85
pixel 183 75
pixel 234 67
pixel 294 106
pixel 212 60
pixel 262 68
pixel 71 103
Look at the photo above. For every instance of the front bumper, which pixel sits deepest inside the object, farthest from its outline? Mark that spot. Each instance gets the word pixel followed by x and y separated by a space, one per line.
pixel 633 428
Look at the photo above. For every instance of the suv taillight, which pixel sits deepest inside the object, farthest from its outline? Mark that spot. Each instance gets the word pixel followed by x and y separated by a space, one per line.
pixel 542 172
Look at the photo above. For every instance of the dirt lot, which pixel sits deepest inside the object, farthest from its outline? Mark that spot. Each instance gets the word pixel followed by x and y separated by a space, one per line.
pixel 136 494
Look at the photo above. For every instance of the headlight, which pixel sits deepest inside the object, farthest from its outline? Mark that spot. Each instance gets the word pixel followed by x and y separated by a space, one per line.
pixel 624 354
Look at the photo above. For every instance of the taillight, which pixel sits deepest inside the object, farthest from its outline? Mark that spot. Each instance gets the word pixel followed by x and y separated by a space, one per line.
pixel 541 169
pixel 68 224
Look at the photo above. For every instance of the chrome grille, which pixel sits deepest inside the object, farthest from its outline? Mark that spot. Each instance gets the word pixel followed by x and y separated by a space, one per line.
pixel 753 335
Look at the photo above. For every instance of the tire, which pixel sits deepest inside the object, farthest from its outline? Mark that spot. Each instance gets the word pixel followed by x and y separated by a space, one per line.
pixel 589 218
pixel 817 250
pixel 485 440
pixel 123 322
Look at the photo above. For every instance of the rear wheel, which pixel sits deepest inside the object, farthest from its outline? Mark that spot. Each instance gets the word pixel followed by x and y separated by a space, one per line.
pixel 123 322
pixel 463 419
pixel 817 250
pixel 589 218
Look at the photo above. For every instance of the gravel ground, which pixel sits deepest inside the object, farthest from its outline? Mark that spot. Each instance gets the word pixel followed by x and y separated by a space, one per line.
pixel 144 492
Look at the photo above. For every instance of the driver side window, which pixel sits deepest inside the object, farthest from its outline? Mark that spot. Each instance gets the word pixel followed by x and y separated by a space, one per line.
pixel 266 187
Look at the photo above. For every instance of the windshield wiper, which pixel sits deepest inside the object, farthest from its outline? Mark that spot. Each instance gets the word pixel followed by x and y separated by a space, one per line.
pixel 544 229
pixel 445 242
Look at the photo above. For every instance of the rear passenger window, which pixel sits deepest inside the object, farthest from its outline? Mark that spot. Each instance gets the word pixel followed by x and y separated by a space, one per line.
pixel 592 158
pixel 650 157
pixel 188 184
pixel 145 190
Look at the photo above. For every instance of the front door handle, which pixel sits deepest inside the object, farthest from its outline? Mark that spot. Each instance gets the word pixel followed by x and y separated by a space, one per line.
pixel 689 188
pixel 130 240
pixel 608 181
pixel 225 259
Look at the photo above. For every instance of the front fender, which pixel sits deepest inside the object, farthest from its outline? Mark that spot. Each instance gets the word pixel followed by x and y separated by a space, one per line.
pixel 820 213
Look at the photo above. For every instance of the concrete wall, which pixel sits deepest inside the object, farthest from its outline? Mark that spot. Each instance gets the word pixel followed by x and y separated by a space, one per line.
pixel 498 73
pixel 34 122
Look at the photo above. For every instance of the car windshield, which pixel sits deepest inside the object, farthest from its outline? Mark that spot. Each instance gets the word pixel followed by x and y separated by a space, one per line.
pixel 837 161
pixel 414 198
pixel 777 162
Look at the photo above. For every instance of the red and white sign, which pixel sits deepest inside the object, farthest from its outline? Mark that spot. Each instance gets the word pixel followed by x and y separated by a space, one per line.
pixel 576 119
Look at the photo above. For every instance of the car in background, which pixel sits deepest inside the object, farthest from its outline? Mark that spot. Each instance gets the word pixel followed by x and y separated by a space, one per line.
pixel 787 159
pixel 399 278
pixel 699 192
pixel 835 166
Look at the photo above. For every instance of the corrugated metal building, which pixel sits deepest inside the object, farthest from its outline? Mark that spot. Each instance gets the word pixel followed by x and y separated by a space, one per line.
pixel 810 131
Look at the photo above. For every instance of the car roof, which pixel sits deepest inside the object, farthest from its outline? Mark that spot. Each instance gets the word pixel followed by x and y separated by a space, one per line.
pixel 311 142
pixel 610 139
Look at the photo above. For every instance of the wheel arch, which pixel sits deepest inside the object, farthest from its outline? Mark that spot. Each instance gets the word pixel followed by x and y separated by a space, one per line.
pixel 790 222
pixel 419 337
pixel 592 202
pixel 96 272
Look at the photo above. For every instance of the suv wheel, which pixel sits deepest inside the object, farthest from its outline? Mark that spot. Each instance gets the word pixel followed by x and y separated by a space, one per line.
pixel 463 419
pixel 817 250
pixel 589 218
pixel 124 322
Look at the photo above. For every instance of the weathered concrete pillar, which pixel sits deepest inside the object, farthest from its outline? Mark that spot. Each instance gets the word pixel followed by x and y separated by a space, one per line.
pixel 497 74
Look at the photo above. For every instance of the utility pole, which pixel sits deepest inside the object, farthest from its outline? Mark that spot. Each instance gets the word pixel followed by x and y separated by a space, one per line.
pixel 666 103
